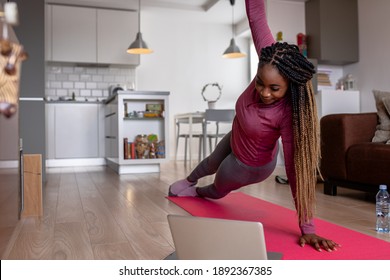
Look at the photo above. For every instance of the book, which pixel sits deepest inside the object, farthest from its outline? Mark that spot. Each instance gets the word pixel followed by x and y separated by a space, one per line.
pixel 132 150
pixel 126 148
pixel 323 77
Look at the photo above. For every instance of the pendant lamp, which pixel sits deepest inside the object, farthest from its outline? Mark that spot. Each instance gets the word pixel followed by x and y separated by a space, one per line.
pixel 233 51
pixel 139 46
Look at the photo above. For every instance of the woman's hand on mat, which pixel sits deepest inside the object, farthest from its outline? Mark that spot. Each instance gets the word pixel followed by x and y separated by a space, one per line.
pixel 318 242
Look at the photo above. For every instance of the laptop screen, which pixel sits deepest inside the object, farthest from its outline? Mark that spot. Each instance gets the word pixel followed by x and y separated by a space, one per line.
pixel 198 238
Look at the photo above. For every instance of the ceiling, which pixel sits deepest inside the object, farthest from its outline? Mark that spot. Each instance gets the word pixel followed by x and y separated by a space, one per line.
pixel 216 11
pixel 202 5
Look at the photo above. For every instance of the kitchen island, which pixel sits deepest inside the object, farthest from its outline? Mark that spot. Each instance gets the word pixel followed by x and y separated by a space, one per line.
pixel 136 131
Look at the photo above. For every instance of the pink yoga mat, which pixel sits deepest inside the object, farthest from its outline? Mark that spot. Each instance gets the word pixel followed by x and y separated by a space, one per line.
pixel 281 228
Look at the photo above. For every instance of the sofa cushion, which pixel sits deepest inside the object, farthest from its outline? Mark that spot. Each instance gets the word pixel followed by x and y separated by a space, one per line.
pixel 386 102
pixel 382 133
pixel 368 163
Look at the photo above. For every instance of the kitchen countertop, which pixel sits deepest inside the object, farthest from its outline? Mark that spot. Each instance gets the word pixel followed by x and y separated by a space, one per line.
pixel 73 102
pixel 100 100
pixel 78 100
pixel 135 92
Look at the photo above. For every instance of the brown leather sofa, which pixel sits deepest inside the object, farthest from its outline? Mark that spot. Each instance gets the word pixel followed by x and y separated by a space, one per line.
pixel 349 158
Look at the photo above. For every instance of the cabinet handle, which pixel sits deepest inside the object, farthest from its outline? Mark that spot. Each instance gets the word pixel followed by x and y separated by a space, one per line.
pixel 109 115
pixel 21 184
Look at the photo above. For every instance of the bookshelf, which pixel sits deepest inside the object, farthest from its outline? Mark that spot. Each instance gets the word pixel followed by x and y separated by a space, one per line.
pixel 136 131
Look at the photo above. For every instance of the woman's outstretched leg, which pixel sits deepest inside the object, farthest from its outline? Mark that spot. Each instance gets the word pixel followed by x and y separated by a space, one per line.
pixel 232 175
pixel 207 166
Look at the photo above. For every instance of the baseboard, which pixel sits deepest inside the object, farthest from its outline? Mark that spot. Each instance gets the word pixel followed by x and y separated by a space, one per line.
pixel 9 163
pixel 75 162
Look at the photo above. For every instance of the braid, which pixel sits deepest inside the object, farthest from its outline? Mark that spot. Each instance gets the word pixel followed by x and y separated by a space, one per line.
pixel 299 71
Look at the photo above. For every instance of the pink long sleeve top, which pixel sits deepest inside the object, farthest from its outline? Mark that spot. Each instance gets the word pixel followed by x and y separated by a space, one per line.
pixel 257 126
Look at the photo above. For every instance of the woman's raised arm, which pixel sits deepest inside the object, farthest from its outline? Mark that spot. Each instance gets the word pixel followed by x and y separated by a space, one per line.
pixel 261 34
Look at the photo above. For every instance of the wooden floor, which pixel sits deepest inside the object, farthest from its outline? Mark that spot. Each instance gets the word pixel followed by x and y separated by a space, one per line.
pixel 93 213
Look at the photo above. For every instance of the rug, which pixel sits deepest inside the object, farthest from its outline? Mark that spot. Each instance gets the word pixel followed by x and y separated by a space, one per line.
pixel 281 228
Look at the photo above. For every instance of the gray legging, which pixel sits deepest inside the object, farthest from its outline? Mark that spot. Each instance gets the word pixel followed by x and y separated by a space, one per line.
pixel 230 173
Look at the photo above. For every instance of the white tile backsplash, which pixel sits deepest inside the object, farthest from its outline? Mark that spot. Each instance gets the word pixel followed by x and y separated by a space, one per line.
pixel 85 92
pixel 91 71
pixel 68 85
pixel 68 69
pixel 55 84
pixel 91 85
pixel 108 78
pixel 64 79
pixel 85 78
pixel 74 78
pixel 79 85
pixel 97 78
pixel 62 92
pixel 97 93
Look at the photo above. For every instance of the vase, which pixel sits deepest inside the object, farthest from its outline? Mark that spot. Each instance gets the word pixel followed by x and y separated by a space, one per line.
pixel 211 104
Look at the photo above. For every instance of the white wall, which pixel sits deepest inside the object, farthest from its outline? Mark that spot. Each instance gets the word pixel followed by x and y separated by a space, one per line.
pixel 372 70
pixel 288 17
pixel 187 55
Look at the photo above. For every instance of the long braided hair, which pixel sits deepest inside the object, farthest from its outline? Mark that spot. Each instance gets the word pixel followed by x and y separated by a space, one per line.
pixel 299 71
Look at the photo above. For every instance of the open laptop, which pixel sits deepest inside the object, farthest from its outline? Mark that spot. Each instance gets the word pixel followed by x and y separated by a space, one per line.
pixel 198 238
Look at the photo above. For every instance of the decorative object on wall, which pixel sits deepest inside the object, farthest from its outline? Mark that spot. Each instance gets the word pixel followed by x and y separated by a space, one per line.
pixel 139 46
pixel 279 36
pixel 11 56
pixel 302 43
pixel 212 101
pixel 233 51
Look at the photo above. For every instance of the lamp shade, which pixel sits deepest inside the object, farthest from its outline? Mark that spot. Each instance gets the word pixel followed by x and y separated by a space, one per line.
pixel 233 51
pixel 139 46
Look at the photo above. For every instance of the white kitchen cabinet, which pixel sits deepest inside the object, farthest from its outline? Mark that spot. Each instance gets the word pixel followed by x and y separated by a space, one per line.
pixel 116 30
pixel 122 127
pixel 110 130
pixel 73 34
pixel 90 35
pixel 74 134
pixel 48 32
